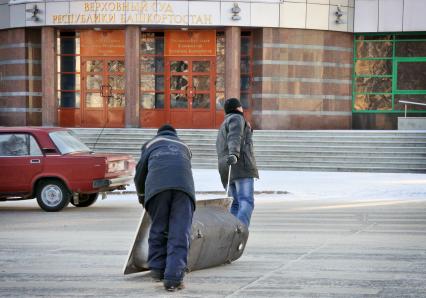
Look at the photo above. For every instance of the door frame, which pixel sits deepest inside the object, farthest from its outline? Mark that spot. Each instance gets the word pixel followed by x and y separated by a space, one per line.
pixel 106 90
pixel 198 117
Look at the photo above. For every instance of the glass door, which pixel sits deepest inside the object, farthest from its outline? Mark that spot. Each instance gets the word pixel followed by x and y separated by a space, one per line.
pixel 190 92
pixel 103 99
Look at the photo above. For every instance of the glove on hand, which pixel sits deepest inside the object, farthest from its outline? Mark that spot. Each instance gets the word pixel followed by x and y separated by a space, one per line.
pixel 231 159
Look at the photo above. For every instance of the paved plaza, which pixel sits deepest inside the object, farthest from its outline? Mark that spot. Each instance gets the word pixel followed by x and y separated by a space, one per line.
pixel 297 248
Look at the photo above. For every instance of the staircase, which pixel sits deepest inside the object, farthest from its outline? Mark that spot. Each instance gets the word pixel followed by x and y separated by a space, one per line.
pixel 308 150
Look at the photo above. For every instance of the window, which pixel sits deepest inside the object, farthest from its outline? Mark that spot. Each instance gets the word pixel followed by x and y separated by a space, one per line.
pixel 68 69
pixel 220 70
pixel 246 69
pixel 18 145
pixel 152 71
pixel 388 69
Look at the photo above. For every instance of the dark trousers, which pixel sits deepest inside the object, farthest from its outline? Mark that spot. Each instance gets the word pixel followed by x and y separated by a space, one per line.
pixel 171 213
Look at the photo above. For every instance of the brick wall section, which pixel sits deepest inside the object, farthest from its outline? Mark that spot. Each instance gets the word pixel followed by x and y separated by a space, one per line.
pixel 20 77
pixel 302 79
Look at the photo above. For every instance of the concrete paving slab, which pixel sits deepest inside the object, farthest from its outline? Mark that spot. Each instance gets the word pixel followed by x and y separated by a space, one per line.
pixel 318 248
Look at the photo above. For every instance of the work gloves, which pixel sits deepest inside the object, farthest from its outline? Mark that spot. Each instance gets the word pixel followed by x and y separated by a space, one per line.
pixel 231 159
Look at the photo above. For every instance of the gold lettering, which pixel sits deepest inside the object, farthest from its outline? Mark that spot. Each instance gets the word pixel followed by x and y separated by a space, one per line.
pixel 89 6
pixel 165 7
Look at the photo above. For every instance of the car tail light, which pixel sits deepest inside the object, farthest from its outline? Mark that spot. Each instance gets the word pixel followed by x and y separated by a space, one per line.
pixel 117 166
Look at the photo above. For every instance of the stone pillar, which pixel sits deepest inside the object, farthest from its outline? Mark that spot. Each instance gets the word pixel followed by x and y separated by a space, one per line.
pixel 48 62
pixel 132 61
pixel 232 62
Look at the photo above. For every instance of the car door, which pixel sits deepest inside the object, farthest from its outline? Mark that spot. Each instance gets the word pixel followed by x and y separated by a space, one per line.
pixel 21 159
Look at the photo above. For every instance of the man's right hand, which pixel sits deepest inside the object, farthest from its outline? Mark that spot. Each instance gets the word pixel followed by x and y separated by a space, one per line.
pixel 231 159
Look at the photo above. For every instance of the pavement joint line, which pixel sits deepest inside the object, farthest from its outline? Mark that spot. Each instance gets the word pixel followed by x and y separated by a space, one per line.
pixel 288 264
pixel 213 192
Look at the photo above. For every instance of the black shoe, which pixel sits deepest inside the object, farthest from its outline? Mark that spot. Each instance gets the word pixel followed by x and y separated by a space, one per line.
pixel 157 275
pixel 173 285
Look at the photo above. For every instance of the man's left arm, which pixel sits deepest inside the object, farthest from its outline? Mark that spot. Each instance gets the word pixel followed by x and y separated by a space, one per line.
pixel 140 175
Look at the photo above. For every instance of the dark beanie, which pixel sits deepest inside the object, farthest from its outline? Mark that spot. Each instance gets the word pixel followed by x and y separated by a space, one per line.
pixel 231 104
pixel 166 127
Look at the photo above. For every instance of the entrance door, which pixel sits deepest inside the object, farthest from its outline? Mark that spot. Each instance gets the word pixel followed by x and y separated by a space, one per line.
pixel 103 100
pixel 190 91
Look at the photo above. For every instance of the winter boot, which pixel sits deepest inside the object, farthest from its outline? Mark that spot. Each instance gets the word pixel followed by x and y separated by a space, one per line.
pixel 157 275
pixel 173 285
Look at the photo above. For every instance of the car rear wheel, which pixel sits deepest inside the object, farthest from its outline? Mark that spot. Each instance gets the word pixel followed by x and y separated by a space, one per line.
pixel 52 195
pixel 85 200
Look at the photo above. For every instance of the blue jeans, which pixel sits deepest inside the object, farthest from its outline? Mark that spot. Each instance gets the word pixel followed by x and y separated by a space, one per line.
pixel 171 213
pixel 243 203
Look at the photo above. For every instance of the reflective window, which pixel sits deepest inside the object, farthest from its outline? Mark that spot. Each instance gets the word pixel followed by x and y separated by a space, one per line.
pixel 68 69
pixel 93 82
pixel 94 100
pixel 94 66
pixel 19 144
pixel 373 102
pixel 116 82
pixel 246 71
pixel 201 83
pixel 389 68
pixel 419 98
pixel 69 99
pixel 178 101
pixel 67 142
pixel 410 49
pixel 411 76
pixel 69 64
pixel 152 71
pixel 374 84
pixel 116 66
pixel 201 101
pixel 373 67
pixel 116 101
pixel 179 66
pixel 152 101
pixel 69 82
pixel 220 70
pixel 178 82
pixel 200 66
pixel 374 49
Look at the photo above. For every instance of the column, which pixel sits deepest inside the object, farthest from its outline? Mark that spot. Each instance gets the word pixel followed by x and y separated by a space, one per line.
pixel 132 61
pixel 48 62
pixel 232 61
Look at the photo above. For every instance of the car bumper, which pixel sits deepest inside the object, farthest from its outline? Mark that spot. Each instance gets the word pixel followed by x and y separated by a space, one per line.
pixel 112 183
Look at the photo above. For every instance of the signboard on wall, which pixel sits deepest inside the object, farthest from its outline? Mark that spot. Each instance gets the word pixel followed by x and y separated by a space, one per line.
pixel 102 43
pixel 190 43
pixel 130 12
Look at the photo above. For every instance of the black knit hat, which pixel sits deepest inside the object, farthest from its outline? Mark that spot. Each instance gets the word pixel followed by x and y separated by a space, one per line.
pixel 231 104
pixel 166 127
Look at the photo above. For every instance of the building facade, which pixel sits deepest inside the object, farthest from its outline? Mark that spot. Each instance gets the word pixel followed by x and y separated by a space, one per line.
pixel 297 64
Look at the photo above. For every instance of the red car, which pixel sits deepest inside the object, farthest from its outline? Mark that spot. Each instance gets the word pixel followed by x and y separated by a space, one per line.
pixel 54 166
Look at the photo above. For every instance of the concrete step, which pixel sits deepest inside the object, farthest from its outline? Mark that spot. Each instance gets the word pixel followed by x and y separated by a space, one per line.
pixel 371 151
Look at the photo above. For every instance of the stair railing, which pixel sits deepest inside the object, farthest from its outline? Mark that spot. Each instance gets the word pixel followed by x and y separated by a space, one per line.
pixel 406 102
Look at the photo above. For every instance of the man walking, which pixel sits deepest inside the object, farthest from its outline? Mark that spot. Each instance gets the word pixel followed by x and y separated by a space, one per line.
pixel 234 146
pixel 165 187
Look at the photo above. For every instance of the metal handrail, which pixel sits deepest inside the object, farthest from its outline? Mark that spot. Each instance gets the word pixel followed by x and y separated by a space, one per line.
pixel 410 102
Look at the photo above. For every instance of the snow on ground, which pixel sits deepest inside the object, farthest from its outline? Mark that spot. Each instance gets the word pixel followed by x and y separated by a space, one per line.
pixel 319 185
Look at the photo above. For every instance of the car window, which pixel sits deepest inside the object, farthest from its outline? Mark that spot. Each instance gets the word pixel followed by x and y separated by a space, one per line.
pixel 67 142
pixel 18 144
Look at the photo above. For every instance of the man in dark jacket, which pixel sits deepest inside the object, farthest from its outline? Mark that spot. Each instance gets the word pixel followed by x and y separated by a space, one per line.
pixel 165 187
pixel 234 146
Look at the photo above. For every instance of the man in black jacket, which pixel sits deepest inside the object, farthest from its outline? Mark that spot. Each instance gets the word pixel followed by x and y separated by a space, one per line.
pixel 234 146
pixel 165 187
